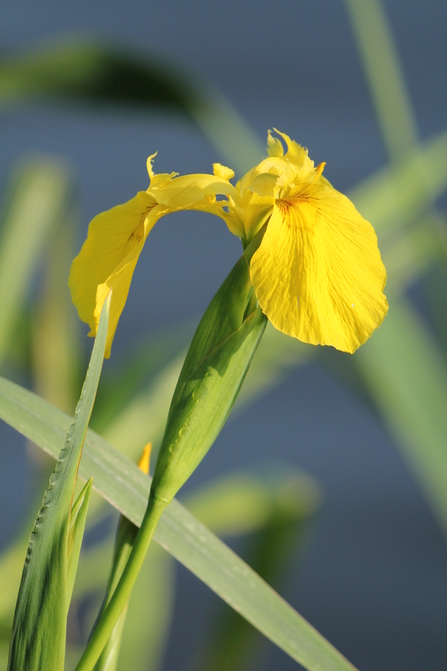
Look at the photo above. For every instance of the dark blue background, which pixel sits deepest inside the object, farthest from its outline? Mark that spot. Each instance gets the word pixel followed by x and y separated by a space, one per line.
pixel 374 580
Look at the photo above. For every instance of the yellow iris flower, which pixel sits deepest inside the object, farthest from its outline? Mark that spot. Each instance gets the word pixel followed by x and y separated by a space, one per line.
pixel 317 273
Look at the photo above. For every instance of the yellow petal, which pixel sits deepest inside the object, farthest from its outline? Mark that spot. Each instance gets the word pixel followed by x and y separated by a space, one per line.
pixel 318 275
pixel 274 145
pixel 264 184
pixel 108 258
pixel 295 152
pixel 191 191
pixel 144 461
pixel 159 179
pixel 222 171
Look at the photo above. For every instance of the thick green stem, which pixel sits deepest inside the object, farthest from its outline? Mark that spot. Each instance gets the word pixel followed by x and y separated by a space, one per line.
pixel 111 613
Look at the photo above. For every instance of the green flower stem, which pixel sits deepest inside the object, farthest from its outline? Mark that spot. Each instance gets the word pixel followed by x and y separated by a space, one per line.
pixel 113 610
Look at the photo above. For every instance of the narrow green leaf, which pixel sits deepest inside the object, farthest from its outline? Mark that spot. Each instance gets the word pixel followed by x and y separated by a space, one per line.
pixel 46 586
pixel 37 199
pixel 121 483
pixel 78 517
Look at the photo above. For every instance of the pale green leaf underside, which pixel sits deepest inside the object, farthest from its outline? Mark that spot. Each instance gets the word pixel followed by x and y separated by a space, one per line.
pixel 120 481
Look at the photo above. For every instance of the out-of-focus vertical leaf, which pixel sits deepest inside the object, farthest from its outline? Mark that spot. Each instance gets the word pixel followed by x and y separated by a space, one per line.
pixel 99 73
pixel 411 256
pixel 11 562
pixel 403 368
pixel 56 358
pixel 435 292
pixel 388 208
pixel 385 75
pixel 402 365
pixel 37 199
pixel 53 551
pixel 10 569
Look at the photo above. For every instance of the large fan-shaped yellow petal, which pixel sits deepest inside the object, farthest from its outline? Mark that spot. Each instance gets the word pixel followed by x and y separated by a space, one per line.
pixel 317 274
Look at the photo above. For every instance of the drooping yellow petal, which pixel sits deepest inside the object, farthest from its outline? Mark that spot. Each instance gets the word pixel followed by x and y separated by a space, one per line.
pixel 108 258
pixel 317 274
pixel 116 238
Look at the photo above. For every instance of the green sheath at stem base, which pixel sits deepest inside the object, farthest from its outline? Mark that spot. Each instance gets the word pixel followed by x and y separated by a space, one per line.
pixel 102 632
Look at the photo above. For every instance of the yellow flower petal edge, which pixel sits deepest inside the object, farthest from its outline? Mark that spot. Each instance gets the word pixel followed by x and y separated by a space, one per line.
pixel 116 238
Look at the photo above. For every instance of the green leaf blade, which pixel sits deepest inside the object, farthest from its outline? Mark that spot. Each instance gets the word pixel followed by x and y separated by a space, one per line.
pixel 75 534
pixel 47 579
pixel 121 483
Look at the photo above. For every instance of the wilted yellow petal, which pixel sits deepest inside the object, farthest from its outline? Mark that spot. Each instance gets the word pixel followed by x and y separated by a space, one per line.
pixel 317 274
pixel 115 239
